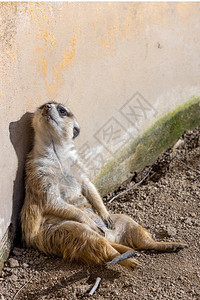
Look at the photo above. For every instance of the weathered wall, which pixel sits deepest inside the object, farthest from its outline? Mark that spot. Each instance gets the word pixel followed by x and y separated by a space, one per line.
pixel 118 66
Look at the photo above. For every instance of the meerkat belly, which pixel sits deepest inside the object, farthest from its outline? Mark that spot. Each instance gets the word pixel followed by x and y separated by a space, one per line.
pixel 82 203
pixel 70 192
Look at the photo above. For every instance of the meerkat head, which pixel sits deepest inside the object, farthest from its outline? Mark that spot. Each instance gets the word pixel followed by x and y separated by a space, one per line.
pixel 56 120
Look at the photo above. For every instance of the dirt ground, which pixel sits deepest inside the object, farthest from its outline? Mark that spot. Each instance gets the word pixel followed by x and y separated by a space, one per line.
pixel 167 203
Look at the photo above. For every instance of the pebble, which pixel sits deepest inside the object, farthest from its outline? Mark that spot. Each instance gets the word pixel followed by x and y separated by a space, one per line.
pixel 13 263
pixel 188 221
pixel 193 215
pixel 171 231
pixel 167 230
pixel 17 251
pixel 7 269
pixel 179 144
pixel 25 265
pixel 198 274
pixel 13 277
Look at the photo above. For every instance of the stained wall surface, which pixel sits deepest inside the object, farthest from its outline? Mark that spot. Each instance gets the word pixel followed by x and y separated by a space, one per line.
pixel 118 66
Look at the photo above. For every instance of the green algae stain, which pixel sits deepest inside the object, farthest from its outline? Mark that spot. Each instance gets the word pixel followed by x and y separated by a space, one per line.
pixel 144 150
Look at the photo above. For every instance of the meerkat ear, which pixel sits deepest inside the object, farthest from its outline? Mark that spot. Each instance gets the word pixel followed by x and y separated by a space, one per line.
pixel 76 131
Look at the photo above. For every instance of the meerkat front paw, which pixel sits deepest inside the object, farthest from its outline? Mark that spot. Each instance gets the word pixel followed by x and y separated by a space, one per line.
pixel 107 220
pixel 87 220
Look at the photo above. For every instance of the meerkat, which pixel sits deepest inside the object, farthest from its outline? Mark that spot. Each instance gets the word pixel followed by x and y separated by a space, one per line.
pixel 63 213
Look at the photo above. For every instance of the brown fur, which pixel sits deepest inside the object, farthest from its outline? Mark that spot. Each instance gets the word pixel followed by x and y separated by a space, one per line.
pixel 63 214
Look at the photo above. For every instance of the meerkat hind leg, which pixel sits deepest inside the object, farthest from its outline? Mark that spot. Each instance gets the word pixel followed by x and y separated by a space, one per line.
pixel 128 232
pixel 121 248
pixel 144 241
pixel 77 242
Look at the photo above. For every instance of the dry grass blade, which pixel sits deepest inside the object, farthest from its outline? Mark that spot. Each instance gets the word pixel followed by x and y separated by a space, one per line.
pixel 138 183
pixel 190 167
pixel 17 293
pixel 95 286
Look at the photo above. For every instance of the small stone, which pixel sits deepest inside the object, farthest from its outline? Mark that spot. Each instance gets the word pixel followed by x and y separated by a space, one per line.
pixel 15 271
pixel 198 274
pixel 179 144
pixel 170 231
pixel 137 254
pixel 188 221
pixel 24 265
pixel 2 297
pixel 17 251
pixel 13 277
pixel 7 269
pixel 13 263
pixel 193 215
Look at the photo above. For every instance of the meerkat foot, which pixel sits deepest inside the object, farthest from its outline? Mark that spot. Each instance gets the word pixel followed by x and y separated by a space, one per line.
pixel 143 240
pixel 130 264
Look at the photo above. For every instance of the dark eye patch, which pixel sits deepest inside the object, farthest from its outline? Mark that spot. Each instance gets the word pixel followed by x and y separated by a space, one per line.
pixel 62 111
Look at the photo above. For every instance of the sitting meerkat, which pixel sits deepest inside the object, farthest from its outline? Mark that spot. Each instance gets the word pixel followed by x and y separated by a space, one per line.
pixel 63 213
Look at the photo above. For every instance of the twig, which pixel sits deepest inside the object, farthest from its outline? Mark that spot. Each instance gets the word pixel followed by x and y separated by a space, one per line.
pixel 121 257
pixel 17 293
pixel 95 286
pixel 190 167
pixel 138 183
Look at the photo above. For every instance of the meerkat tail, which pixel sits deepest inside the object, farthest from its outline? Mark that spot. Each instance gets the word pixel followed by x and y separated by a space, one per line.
pixel 169 246
pixel 143 240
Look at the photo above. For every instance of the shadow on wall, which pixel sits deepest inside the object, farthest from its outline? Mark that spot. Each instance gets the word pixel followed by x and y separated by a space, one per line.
pixel 21 136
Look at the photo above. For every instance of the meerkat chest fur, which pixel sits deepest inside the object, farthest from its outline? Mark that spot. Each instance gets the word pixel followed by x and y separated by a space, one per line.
pixel 67 177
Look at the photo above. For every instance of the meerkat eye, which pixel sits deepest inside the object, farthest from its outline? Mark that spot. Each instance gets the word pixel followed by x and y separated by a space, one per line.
pixel 62 111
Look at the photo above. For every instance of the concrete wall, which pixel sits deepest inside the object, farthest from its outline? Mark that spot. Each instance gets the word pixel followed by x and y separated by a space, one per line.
pixel 118 66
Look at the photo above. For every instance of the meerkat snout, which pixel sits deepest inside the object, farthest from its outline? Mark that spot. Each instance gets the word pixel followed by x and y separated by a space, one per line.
pixel 76 132
pixel 45 111
pixel 47 106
